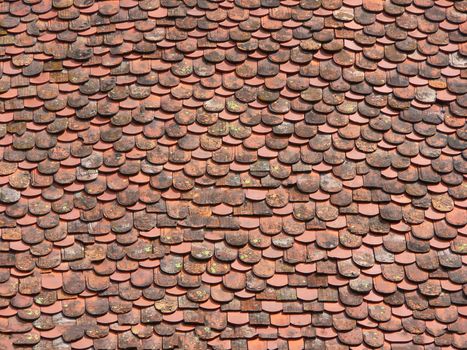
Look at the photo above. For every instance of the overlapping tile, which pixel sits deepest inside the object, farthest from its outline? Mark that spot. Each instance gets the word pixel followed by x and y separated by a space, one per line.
pixel 233 174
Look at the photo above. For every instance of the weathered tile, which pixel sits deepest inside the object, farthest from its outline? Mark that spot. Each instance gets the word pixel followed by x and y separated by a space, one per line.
pixel 179 174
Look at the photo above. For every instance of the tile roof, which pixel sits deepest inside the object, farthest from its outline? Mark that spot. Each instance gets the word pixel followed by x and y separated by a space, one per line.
pixel 238 174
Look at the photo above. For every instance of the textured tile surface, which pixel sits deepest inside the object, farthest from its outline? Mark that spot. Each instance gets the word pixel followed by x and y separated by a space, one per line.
pixel 233 174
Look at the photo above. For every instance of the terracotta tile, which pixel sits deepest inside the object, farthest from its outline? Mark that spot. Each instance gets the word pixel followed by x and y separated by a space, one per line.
pixel 237 318
pixel 309 151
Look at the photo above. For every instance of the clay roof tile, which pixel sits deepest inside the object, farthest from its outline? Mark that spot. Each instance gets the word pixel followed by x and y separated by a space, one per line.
pixel 199 167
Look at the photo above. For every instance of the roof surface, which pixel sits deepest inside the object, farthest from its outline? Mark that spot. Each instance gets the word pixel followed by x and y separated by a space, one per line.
pixel 233 174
